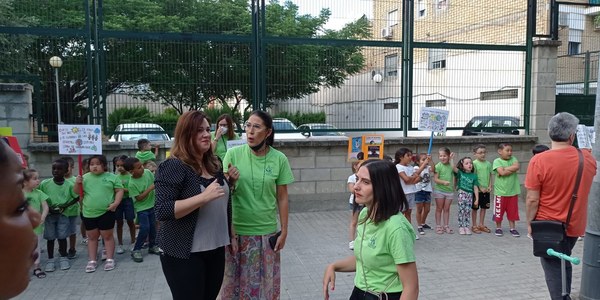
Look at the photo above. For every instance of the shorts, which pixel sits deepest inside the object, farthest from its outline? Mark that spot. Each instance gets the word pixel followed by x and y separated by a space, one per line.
pixel 443 195
pixel 103 222
pixel 484 201
pixel 56 227
pixel 508 204
pixel 410 199
pixel 356 207
pixel 125 210
pixel 422 197
pixel 72 225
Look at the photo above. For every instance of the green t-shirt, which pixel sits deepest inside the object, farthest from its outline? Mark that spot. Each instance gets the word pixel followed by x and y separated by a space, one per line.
pixel 384 246
pixel 222 144
pixel 138 186
pixel 506 185
pixel 445 173
pixel 75 209
pixel 483 169
pixel 145 156
pixel 125 182
pixel 466 181
pixel 255 201
pixel 99 193
pixel 60 195
pixel 35 199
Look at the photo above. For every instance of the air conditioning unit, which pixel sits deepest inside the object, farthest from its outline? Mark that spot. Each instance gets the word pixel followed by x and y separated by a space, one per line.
pixel 386 33
pixel 563 19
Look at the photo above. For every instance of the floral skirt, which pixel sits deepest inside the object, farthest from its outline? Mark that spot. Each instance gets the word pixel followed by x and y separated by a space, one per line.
pixel 253 273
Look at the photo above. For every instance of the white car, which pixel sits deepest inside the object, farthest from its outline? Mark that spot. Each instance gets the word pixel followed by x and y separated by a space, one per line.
pixel 280 124
pixel 150 131
pixel 333 134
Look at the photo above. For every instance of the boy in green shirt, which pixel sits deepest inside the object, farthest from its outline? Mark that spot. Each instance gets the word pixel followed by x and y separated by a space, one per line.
pixel 506 189
pixel 483 169
pixel 141 189
pixel 144 154
pixel 72 212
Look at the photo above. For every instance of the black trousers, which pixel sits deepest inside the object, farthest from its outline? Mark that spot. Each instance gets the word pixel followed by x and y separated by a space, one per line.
pixel 198 277
pixel 358 294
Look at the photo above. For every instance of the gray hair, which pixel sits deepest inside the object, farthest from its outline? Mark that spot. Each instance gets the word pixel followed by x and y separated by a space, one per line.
pixel 562 126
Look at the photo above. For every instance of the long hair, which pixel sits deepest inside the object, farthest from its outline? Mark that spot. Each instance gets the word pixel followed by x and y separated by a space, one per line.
pixel 400 154
pixel 230 130
pixel 268 121
pixel 388 197
pixel 185 149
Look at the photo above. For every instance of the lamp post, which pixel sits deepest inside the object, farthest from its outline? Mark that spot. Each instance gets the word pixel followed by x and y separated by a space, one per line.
pixel 56 63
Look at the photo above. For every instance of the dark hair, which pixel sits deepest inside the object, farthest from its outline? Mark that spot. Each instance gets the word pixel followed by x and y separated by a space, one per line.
pixel 116 159
pixel 459 164
pixel 503 145
pixel 268 122
pixel 100 158
pixel 184 147
pixel 28 174
pixel 129 163
pixel 539 148
pixel 400 154
pixel 445 150
pixel 421 155
pixel 477 147
pixel 141 143
pixel 69 160
pixel 388 196
pixel 230 130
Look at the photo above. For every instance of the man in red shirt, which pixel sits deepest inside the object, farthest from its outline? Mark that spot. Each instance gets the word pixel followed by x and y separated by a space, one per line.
pixel 550 181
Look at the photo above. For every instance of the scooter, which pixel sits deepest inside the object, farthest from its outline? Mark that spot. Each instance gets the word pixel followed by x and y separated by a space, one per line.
pixel 563 269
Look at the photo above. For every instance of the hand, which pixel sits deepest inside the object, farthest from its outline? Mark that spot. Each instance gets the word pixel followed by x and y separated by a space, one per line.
pixel 151 187
pixel 78 179
pixel 233 247
pixel 112 207
pixel 328 277
pixel 280 242
pixel 213 191
pixel 452 155
pixel 218 133
pixel 447 183
pixel 233 173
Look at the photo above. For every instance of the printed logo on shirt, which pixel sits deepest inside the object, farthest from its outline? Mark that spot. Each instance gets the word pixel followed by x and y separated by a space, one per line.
pixel 269 170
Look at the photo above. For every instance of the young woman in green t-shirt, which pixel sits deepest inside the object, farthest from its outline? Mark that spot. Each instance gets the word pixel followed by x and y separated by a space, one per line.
pixel 224 132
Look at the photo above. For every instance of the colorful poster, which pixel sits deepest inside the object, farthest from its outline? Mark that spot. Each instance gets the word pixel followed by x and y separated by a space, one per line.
pixel 365 147
pixel 355 149
pixel 433 119
pixel 79 139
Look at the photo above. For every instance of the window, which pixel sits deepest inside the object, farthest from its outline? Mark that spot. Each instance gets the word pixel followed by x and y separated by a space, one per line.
pixel 498 95
pixel 421 9
pixel 435 103
pixel 391 65
pixel 392 18
pixel 437 59
pixel 441 4
pixel 393 105
pixel 574 48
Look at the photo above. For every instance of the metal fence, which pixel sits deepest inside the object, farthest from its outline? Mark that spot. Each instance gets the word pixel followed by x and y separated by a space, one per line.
pixel 369 65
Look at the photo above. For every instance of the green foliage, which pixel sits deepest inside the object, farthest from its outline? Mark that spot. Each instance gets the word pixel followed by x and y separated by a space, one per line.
pixel 299 118
pixel 597 21
pixel 123 115
pixel 167 120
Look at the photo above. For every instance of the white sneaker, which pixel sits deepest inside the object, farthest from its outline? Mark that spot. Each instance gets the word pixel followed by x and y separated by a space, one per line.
pixel 416 236
pixel 120 250
pixel 351 245
pixel 580 238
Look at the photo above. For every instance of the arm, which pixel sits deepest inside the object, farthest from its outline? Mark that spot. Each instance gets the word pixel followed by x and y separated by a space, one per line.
pixel 145 193
pixel 283 204
pixel 118 197
pixel 476 193
pixel 156 150
pixel 410 280
pixel 351 187
pixel 186 206
pixel 45 210
pixel 532 202
pixel 78 187
pixel 437 180
pixel 347 264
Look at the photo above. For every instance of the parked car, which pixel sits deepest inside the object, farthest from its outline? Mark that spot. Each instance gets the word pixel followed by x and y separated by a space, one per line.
pixel 307 131
pixel 492 125
pixel 280 124
pixel 150 131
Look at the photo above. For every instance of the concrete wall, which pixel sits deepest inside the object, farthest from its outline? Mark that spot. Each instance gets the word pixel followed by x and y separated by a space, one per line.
pixel 15 110
pixel 320 168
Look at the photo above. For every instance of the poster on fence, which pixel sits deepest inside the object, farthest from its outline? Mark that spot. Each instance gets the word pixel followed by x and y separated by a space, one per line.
pixel 433 119
pixel 365 147
pixel 79 139
pixel 586 136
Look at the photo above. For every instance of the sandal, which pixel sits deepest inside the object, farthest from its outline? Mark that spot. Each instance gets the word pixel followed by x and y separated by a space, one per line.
pixel 485 229
pixel 475 229
pixel 109 265
pixel 438 229
pixel 448 230
pixel 39 273
pixel 91 266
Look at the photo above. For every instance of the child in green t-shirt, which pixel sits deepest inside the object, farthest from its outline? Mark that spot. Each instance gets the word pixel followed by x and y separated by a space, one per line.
pixel 443 192
pixel 37 201
pixel 125 210
pixel 467 186
pixel 72 212
pixel 141 188
pixel 483 169
pixel 144 153
pixel 506 189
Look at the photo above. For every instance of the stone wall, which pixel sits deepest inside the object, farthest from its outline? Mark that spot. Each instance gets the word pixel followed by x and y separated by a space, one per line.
pixel 15 110
pixel 320 168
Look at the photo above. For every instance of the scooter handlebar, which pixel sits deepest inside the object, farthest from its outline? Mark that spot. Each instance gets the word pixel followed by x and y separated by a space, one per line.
pixel 573 260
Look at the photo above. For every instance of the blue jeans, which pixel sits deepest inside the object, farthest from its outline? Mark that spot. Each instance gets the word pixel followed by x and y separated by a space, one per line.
pixel 147 221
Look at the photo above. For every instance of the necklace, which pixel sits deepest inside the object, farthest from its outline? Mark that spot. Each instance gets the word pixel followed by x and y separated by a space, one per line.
pixel 262 187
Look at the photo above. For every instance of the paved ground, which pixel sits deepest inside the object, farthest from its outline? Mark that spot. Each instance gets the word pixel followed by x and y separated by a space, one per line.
pixel 450 267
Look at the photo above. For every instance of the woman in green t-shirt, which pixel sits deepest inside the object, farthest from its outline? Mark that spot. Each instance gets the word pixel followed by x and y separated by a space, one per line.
pixel 384 259
pixel 224 132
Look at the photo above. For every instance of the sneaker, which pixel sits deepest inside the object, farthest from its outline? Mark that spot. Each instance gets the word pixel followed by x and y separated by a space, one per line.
pixel 468 231
pixel 499 232
pixel 514 233
pixel 84 241
pixel 154 250
pixel 50 266
pixel 72 254
pixel 461 231
pixel 351 245
pixel 580 238
pixel 120 250
pixel 426 226
pixel 64 264
pixel 416 236
pixel 137 256
pixel 103 257
pixel 421 231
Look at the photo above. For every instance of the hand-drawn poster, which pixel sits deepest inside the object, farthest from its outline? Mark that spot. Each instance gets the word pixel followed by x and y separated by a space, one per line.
pixel 79 139
pixel 433 119
pixel 586 136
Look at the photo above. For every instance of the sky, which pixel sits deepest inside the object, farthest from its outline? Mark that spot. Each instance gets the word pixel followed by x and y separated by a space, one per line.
pixel 342 11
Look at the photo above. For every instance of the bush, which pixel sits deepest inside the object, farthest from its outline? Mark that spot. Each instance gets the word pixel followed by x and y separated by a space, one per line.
pixel 214 113
pixel 167 120
pixel 138 114
pixel 302 118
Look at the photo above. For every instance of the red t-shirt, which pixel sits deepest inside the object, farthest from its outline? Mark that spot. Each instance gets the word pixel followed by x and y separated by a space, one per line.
pixel 553 173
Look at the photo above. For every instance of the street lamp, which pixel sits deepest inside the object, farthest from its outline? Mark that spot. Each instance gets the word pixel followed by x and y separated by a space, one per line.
pixel 56 63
